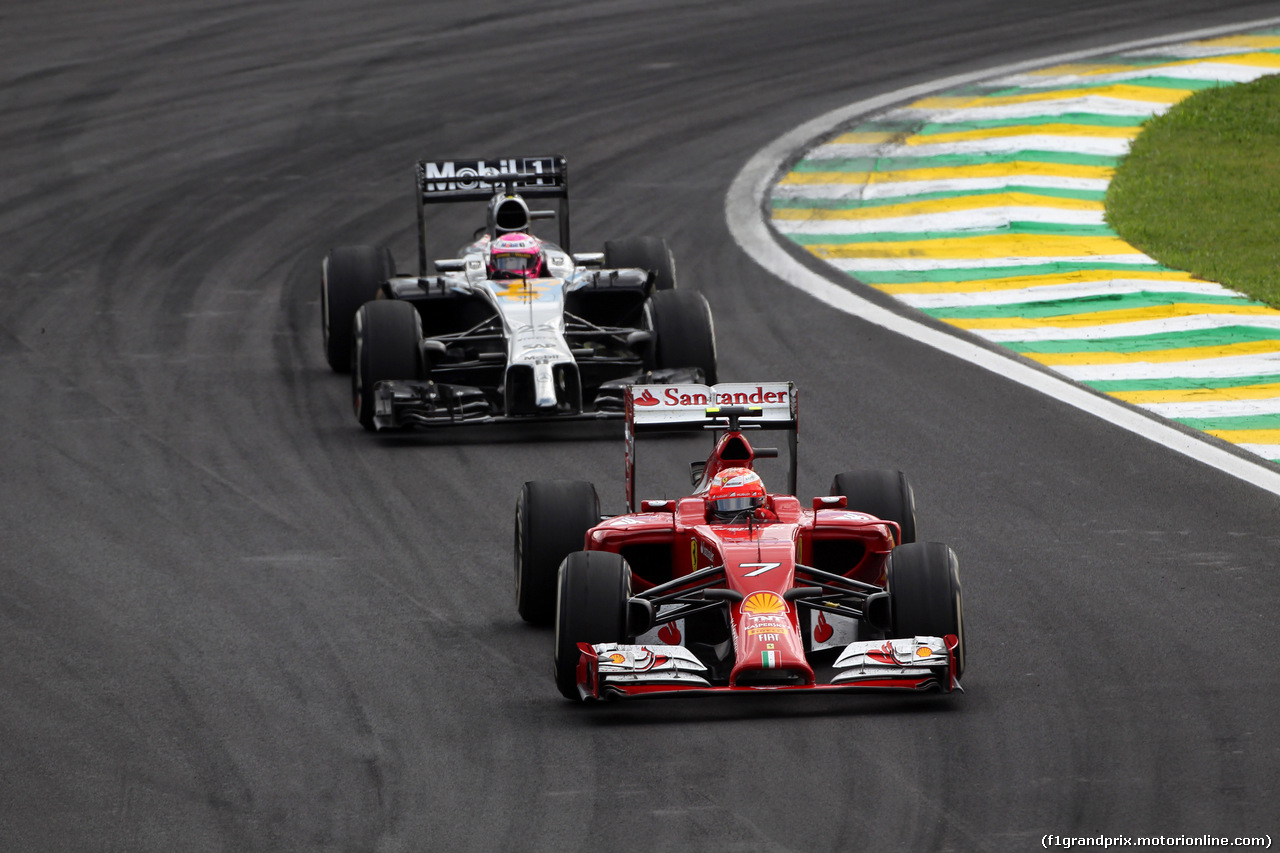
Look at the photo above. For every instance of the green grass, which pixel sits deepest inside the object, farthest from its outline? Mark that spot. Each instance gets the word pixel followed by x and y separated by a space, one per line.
pixel 1200 190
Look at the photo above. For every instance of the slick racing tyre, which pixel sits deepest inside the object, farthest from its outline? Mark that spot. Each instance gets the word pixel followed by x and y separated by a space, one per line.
pixel 552 520
pixel 591 607
pixel 387 335
pixel 646 253
pixel 684 335
pixel 884 494
pixel 924 594
pixel 349 277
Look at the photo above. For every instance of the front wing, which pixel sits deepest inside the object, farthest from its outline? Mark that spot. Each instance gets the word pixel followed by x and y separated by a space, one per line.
pixel 425 403
pixel 912 664
pixel 407 403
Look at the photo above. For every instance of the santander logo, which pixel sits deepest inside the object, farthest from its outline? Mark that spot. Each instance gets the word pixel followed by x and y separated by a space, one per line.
pixel 647 399
pixel 677 396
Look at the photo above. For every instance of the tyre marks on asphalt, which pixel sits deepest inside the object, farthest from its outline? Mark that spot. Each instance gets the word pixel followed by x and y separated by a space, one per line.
pixel 984 208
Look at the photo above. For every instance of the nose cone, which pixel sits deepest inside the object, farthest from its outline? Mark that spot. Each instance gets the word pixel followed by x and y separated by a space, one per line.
pixel 770 648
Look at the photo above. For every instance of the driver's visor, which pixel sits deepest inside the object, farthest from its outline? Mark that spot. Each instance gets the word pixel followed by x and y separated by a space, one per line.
pixel 513 263
pixel 736 504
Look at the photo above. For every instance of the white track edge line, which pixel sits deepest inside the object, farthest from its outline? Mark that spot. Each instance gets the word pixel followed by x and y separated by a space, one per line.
pixel 744 208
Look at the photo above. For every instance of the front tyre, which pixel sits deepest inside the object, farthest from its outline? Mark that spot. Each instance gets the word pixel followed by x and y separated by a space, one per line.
pixel 882 493
pixel 552 520
pixel 924 594
pixel 591 607
pixel 684 335
pixel 349 277
pixel 646 253
pixel 387 336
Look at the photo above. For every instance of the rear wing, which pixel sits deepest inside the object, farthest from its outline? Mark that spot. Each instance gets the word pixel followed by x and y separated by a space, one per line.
pixel 481 180
pixel 728 405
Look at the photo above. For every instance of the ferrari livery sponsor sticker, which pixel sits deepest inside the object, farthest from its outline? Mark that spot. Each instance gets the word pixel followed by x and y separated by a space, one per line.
pixel 763 603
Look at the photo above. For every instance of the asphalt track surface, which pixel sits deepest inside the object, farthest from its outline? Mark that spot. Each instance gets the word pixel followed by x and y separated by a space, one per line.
pixel 230 620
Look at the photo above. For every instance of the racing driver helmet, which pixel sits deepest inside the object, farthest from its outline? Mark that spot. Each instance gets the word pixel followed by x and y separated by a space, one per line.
pixel 515 255
pixel 734 491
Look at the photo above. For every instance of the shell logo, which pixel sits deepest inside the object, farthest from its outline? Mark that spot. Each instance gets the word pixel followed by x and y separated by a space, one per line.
pixel 763 603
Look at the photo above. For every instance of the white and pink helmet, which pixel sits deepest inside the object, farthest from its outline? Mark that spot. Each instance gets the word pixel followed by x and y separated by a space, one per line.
pixel 515 255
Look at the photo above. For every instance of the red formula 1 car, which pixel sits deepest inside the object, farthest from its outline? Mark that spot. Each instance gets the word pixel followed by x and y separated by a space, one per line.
pixel 735 589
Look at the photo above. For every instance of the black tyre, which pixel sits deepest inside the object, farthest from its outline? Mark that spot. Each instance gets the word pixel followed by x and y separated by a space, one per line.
pixel 684 335
pixel 884 494
pixel 387 335
pixel 552 520
pixel 924 594
pixel 646 253
pixel 349 277
pixel 591 607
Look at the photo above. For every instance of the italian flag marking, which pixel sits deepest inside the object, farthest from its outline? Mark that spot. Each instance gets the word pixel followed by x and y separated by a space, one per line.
pixel 770 659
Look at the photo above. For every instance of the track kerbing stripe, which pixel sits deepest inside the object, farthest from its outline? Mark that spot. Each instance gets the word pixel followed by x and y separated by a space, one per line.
pixel 956 204
pixel 756 182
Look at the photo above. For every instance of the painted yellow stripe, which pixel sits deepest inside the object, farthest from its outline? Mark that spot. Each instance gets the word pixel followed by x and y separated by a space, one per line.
pixel 866 138
pixel 1119 91
pixel 980 170
pixel 1254 42
pixel 1106 318
pixel 1200 395
pixel 1164 355
pixel 1070 130
pixel 1252 60
pixel 1086 69
pixel 995 285
pixel 1247 436
pixel 940 205
pixel 980 248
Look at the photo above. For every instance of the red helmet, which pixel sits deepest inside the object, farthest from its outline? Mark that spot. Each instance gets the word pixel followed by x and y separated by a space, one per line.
pixel 515 255
pixel 735 490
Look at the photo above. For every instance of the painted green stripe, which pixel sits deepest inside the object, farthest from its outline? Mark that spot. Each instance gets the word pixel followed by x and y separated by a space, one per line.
pixel 1147 343
pixel 1083 305
pixel 858 203
pixel 985 273
pixel 1119 386
pixel 1015 228
pixel 1083 119
pixel 1243 422
pixel 951 161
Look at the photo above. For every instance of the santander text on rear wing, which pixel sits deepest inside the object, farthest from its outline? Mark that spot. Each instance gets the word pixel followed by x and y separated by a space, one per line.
pixel 728 405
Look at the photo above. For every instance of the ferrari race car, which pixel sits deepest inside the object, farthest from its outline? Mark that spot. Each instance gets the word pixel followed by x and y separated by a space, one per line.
pixel 736 589
pixel 514 326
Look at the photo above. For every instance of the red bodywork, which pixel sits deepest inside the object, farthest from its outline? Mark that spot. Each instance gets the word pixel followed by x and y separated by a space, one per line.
pixel 762 558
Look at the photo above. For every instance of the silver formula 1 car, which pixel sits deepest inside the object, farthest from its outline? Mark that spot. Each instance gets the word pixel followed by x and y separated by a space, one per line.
pixel 514 326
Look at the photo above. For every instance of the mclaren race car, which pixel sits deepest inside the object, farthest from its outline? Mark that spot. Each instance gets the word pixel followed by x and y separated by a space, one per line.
pixel 514 326
pixel 735 589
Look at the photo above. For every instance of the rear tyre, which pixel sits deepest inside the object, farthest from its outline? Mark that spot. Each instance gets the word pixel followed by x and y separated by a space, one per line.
pixel 591 607
pixel 684 335
pixel 387 335
pixel 924 594
pixel 882 493
pixel 646 253
pixel 349 277
pixel 552 520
